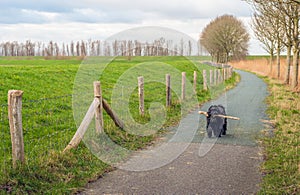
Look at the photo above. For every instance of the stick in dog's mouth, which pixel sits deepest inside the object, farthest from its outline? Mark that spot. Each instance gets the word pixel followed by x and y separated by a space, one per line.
pixel 219 115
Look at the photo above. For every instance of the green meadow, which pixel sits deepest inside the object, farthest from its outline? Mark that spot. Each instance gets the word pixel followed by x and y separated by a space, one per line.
pixel 49 87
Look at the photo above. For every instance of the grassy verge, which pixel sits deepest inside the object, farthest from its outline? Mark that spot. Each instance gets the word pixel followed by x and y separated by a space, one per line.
pixel 261 66
pixel 49 124
pixel 281 167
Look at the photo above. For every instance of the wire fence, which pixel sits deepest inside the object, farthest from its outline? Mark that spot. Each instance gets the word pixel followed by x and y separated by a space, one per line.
pixel 48 125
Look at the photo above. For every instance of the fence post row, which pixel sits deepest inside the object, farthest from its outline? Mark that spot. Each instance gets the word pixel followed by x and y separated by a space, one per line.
pixel 97 106
pixel 141 95
pixel 15 124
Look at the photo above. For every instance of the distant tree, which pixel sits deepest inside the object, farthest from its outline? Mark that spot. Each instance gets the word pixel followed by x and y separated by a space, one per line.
pixel 68 51
pixel 225 38
pixel 77 49
pixel 83 48
pixel 72 48
pixel 189 48
pixel 130 48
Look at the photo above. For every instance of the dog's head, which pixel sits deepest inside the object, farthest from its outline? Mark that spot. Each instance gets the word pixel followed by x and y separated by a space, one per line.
pixel 213 120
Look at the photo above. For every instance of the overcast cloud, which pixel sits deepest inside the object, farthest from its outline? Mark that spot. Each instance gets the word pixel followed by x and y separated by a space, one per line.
pixel 98 19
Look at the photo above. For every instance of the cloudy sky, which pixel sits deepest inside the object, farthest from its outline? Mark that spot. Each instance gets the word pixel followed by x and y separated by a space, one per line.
pixel 59 20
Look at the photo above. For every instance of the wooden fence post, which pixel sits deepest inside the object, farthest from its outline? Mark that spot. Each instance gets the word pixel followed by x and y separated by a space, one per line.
pixel 219 76
pixel 227 73
pixel 168 90
pixel 15 124
pixel 216 77
pixel 211 82
pixel 141 95
pixel 99 109
pixel 195 81
pixel 231 71
pixel 204 80
pixel 183 79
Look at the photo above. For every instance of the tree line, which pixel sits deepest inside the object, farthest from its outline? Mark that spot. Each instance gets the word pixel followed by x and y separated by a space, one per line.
pixel 159 47
pixel 276 26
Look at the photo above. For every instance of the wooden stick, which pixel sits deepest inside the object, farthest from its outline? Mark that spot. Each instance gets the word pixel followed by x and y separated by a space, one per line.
pixel 83 126
pixel 87 120
pixel 228 117
pixel 204 113
pixel 219 115
pixel 112 114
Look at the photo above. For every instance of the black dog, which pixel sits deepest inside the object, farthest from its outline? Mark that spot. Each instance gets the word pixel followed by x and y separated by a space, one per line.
pixel 216 124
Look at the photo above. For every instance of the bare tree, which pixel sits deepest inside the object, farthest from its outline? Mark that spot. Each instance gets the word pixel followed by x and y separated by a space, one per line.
pixel 285 14
pixel 225 38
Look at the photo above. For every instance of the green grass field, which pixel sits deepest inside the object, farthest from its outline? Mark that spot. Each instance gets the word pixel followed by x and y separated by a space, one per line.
pixel 48 121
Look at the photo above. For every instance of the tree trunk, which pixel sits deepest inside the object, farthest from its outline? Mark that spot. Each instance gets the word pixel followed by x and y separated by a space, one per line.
pixel 271 63
pixel 288 65
pixel 295 52
pixel 295 68
pixel 278 60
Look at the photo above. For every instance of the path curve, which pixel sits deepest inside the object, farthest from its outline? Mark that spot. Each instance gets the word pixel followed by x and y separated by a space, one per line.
pixel 229 165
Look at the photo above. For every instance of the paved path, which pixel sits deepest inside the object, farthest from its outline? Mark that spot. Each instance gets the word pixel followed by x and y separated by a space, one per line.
pixel 229 165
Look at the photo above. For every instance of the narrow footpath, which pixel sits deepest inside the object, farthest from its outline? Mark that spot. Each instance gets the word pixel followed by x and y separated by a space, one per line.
pixel 227 165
